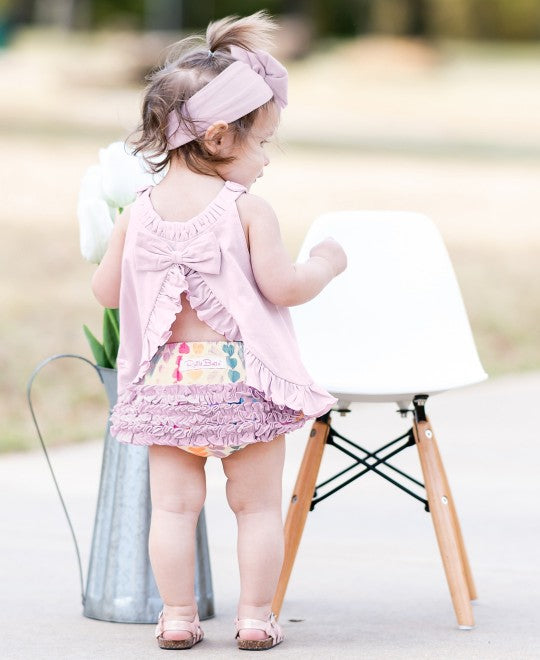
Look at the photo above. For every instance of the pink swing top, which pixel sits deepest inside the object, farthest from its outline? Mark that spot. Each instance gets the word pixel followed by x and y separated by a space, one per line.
pixel 208 258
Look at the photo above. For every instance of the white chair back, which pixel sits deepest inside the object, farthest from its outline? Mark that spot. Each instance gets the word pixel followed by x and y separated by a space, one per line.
pixel 392 325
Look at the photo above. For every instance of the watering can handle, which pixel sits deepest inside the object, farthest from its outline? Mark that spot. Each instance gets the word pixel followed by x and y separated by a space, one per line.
pixel 28 390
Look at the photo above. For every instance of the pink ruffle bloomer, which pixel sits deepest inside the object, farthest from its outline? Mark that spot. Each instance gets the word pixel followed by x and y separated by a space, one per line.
pixel 194 396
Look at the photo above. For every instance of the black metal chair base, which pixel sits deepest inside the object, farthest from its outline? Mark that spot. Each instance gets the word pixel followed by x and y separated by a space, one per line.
pixel 365 461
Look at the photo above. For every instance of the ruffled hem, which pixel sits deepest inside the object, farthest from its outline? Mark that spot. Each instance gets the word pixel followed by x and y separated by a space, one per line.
pixel 163 314
pixel 200 415
pixel 311 399
pixel 168 305
pixel 209 309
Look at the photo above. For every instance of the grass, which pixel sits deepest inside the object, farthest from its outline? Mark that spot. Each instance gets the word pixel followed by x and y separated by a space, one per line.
pixel 498 291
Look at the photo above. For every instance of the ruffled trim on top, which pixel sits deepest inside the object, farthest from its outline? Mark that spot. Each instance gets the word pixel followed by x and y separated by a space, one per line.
pixel 162 316
pixel 183 230
pixel 311 399
pixel 168 304
pixel 209 309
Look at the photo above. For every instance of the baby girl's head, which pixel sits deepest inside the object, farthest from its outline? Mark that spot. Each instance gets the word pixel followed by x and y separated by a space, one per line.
pixel 213 118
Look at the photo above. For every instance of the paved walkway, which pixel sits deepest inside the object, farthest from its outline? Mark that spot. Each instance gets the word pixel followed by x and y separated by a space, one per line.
pixel 368 581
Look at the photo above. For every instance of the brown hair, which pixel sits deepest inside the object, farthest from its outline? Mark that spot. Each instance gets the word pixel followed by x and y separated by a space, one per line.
pixel 187 68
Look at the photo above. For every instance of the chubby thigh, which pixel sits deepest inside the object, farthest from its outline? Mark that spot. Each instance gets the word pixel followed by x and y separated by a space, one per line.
pixel 254 476
pixel 177 479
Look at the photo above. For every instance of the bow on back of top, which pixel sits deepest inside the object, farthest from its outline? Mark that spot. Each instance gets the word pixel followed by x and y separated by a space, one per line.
pixel 202 253
pixel 246 84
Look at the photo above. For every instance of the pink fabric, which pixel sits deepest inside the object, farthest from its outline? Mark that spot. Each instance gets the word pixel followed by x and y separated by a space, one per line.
pixel 208 416
pixel 154 253
pixel 243 86
pixel 273 72
pixel 230 302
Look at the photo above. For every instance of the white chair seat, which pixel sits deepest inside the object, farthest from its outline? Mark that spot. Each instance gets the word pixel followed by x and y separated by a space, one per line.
pixel 393 325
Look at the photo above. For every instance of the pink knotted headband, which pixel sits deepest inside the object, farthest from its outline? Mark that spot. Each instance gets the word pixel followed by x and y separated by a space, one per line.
pixel 243 86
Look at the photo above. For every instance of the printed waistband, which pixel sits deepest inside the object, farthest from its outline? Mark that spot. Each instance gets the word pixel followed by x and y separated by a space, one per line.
pixel 204 362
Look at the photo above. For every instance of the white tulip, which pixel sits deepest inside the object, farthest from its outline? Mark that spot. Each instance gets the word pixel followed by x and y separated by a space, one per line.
pixel 123 174
pixel 91 186
pixel 104 189
pixel 95 227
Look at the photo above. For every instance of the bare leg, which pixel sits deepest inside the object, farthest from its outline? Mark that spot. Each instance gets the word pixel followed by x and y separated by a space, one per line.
pixel 178 491
pixel 254 489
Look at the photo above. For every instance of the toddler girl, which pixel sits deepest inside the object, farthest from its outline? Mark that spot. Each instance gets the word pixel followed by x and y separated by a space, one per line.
pixel 208 360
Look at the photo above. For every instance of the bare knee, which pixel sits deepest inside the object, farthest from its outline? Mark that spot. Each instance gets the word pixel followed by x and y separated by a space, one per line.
pixel 262 500
pixel 188 503
pixel 254 478
pixel 177 481
pixel 236 502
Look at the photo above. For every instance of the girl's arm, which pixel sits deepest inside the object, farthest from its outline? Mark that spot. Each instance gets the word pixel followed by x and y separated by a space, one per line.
pixel 280 280
pixel 106 279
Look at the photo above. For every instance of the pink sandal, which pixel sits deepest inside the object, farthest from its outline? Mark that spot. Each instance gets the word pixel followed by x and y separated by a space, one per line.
pixel 190 626
pixel 271 627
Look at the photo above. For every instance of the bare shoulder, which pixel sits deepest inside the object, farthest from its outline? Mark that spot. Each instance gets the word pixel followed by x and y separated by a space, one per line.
pixel 255 214
pixel 254 208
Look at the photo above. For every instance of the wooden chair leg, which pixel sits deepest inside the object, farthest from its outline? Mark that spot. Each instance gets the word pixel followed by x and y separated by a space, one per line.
pixel 463 552
pixel 299 506
pixel 446 524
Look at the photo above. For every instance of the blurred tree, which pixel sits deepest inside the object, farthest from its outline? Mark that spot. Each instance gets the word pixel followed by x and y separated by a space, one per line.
pixel 18 12
pixel 451 18
pixel 123 13
pixel 407 17
pixel 506 19
pixel 487 19
pixel 163 14
pixel 198 14
pixel 342 17
pixel 63 13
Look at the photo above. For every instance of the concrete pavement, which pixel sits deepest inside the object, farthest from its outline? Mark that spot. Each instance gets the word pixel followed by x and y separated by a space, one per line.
pixel 368 581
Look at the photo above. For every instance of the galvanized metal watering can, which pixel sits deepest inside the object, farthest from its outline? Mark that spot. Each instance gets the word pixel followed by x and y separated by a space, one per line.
pixel 120 585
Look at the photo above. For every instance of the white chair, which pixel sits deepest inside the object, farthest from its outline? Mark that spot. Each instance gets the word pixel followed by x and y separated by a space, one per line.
pixel 399 305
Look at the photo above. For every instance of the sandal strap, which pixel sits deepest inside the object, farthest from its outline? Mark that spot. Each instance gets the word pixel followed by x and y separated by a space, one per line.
pixel 271 627
pixel 178 625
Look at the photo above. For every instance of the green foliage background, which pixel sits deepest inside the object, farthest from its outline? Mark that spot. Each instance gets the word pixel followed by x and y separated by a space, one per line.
pixel 516 20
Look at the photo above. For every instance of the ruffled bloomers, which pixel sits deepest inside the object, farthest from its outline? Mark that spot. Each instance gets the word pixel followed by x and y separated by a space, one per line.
pixel 200 415
pixel 194 396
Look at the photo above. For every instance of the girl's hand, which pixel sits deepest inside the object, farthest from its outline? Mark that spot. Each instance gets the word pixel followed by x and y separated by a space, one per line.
pixel 332 251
